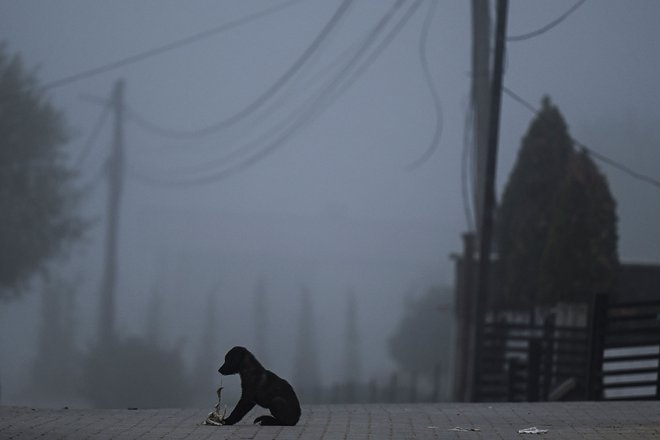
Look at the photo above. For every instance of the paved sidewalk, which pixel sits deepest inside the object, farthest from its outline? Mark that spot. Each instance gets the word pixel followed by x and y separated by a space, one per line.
pixel 583 420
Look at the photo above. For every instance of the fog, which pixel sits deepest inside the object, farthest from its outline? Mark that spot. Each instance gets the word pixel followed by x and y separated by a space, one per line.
pixel 333 208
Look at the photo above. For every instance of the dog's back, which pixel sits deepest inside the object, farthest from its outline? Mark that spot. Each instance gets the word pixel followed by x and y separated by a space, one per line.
pixel 278 396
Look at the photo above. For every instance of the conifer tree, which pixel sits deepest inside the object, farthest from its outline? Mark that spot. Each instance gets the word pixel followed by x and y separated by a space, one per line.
pixel 580 257
pixel 553 208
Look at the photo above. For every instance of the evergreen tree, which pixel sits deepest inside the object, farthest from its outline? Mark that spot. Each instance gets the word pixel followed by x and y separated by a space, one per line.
pixel 580 256
pixel 37 199
pixel 56 365
pixel 551 192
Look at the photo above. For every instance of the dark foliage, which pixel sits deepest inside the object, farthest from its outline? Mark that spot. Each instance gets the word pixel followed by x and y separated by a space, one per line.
pixel 580 257
pixel 134 373
pixel 37 200
pixel 421 341
pixel 556 224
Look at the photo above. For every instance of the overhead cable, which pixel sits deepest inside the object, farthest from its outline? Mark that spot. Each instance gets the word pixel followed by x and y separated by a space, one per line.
pixel 164 48
pixel 91 139
pixel 437 106
pixel 344 79
pixel 263 98
pixel 613 163
pixel 547 27
pixel 316 104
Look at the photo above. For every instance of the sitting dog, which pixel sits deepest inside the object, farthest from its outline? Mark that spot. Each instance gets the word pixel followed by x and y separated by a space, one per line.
pixel 260 387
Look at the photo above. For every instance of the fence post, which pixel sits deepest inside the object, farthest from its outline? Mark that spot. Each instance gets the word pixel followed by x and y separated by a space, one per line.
pixel 597 327
pixel 512 374
pixel 548 353
pixel 657 378
pixel 533 369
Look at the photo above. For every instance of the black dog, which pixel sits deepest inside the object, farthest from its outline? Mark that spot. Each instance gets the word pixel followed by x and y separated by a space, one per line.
pixel 261 387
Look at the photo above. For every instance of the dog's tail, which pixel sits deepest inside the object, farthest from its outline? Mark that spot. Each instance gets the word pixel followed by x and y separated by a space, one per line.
pixel 267 421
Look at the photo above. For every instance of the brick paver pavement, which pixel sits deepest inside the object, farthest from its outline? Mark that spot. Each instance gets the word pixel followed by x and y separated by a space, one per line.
pixel 575 420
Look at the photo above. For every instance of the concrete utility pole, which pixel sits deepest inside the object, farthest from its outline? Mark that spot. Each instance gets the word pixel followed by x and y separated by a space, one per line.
pixel 480 96
pixel 486 231
pixel 115 172
pixel 465 302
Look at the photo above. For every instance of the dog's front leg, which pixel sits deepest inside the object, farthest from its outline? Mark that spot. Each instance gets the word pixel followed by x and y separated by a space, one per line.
pixel 242 407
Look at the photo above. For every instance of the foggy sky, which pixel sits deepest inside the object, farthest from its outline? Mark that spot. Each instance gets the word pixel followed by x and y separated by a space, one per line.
pixel 334 209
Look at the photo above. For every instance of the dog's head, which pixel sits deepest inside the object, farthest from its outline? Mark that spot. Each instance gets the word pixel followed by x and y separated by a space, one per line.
pixel 234 360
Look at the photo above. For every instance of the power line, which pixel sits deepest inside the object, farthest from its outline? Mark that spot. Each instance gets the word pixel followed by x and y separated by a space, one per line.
pixel 332 90
pixel 91 139
pixel 264 97
pixel 329 96
pixel 437 106
pixel 104 68
pixel 623 168
pixel 547 27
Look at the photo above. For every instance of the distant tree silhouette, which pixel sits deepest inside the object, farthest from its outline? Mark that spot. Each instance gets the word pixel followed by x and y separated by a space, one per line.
pixel 556 223
pixel 306 373
pixel 420 344
pixel 352 366
pixel 131 372
pixel 56 367
pixel 154 317
pixel 209 353
pixel 37 199
pixel 261 321
pixel 139 372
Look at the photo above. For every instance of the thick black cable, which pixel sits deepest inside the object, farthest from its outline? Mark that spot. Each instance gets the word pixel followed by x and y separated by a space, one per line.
pixel 547 27
pixel 595 154
pixel 437 105
pixel 164 48
pixel 330 92
pixel 264 97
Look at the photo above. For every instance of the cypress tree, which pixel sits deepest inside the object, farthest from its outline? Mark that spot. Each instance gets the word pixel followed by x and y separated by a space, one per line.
pixel 556 224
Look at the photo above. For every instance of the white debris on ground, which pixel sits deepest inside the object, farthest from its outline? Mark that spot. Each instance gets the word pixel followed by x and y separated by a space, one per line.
pixel 532 430
pixel 217 416
pixel 461 429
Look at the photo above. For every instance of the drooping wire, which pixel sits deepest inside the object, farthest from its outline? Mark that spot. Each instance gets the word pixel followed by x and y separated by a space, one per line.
pixel 547 27
pixel 331 91
pixel 141 56
pixel 262 99
pixel 344 79
pixel 619 166
pixel 623 168
pixel 437 106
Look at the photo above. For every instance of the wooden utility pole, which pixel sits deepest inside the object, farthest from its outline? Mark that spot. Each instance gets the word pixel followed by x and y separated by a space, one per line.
pixel 115 173
pixel 486 231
